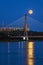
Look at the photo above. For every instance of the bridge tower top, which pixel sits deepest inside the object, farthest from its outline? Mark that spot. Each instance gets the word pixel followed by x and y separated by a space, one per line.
pixel 25 23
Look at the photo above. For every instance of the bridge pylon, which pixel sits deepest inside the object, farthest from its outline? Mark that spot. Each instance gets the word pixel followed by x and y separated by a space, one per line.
pixel 25 27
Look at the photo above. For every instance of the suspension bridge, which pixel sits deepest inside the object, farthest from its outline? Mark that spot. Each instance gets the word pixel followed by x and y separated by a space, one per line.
pixel 22 32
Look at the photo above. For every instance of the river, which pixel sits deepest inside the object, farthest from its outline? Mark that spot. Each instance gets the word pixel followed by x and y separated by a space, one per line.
pixel 21 53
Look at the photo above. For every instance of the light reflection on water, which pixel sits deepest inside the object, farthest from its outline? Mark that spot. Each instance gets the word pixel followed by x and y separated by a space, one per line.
pixel 30 53
pixel 14 53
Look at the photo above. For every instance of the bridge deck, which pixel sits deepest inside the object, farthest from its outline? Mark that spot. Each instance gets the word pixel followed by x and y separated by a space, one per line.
pixel 18 35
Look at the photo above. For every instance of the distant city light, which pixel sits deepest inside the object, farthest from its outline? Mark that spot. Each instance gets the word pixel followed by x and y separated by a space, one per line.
pixel 23 38
pixel 30 11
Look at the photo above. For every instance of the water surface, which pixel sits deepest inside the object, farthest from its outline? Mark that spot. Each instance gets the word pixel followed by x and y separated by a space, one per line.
pixel 14 53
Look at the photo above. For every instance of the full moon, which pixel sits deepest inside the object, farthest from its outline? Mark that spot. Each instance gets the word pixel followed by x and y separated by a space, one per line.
pixel 30 11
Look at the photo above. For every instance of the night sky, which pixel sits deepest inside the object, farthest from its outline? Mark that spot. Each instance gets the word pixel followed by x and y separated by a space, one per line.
pixel 11 10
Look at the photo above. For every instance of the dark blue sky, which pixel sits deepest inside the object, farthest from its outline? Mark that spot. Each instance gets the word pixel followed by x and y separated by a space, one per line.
pixel 11 10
